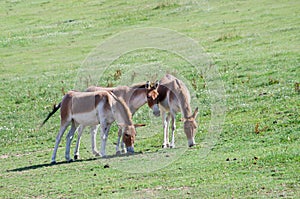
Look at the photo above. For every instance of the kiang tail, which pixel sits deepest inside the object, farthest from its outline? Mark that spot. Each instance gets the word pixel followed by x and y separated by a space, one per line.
pixel 55 108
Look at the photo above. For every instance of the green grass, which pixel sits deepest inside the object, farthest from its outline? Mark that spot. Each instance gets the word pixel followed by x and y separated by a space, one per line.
pixel 254 44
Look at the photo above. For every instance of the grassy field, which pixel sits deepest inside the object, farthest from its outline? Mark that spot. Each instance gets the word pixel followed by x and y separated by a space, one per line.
pixel 255 45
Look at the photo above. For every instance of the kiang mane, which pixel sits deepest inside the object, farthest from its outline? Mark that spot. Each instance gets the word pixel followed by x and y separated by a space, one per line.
pixel 124 107
pixel 138 85
pixel 183 98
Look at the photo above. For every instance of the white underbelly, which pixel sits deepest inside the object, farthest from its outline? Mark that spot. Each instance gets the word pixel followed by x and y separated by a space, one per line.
pixel 87 119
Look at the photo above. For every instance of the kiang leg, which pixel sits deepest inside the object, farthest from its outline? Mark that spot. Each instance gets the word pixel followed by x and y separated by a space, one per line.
pixel 62 129
pixel 124 150
pixel 173 131
pixel 94 130
pixel 69 140
pixel 166 121
pixel 76 152
pixel 118 152
pixel 123 147
pixel 104 135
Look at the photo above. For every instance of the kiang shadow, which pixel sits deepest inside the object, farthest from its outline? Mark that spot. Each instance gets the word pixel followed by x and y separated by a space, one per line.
pixel 32 167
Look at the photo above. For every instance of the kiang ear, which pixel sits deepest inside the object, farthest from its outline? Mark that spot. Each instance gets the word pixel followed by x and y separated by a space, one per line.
pixel 147 85
pixel 195 113
pixel 156 83
pixel 139 125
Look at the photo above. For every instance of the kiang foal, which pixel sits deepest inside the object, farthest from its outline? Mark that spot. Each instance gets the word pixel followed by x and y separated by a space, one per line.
pixel 173 97
pixel 91 109
pixel 134 96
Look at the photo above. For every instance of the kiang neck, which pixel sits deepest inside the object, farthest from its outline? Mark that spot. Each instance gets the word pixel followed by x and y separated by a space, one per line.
pixel 186 112
pixel 137 98
pixel 122 114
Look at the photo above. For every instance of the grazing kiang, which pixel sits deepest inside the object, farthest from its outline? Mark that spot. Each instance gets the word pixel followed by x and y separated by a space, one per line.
pixel 174 97
pixel 91 109
pixel 134 96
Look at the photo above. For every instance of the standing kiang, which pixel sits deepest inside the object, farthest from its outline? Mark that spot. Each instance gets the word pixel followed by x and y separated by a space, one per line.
pixel 174 97
pixel 91 109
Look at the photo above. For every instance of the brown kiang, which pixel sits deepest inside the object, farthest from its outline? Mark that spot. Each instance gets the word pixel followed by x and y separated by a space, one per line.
pixel 90 109
pixel 173 97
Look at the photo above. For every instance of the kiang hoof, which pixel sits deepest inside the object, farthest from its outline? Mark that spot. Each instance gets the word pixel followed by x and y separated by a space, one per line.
pixel 172 146
pixel 53 162
pixel 165 146
pixel 118 153
pixel 97 154
pixel 191 146
pixel 69 161
pixel 76 157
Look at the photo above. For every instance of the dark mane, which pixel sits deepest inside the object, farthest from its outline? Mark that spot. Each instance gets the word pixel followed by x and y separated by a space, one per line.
pixel 139 85
pixel 123 106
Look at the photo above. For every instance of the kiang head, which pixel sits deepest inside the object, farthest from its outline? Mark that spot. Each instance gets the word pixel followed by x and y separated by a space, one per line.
pixel 190 126
pixel 153 97
pixel 129 133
